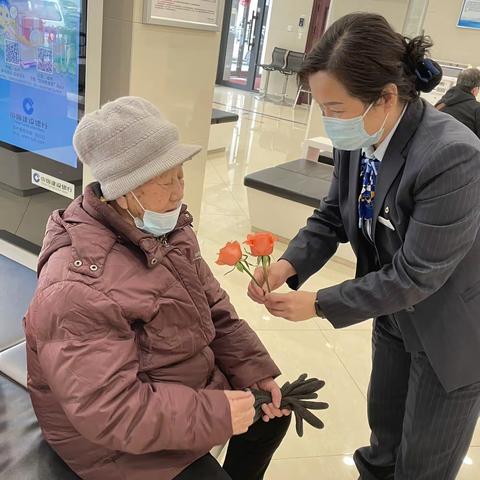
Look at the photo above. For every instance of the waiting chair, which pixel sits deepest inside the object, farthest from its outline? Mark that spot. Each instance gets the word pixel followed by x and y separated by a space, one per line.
pixel 293 65
pixel 277 65
pixel 302 89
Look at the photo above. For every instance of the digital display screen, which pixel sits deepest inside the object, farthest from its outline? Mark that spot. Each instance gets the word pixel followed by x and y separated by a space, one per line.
pixel 40 57
pixel 470 16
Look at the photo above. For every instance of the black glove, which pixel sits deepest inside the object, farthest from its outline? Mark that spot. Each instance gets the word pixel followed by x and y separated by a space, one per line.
pixel 296 397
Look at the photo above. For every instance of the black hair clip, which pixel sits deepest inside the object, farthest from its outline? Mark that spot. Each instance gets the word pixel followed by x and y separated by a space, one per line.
pixel 426 70
pixel 429 74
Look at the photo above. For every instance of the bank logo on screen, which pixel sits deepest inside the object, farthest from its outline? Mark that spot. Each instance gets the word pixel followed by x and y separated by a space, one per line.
pixel 39 75
pixel 28 106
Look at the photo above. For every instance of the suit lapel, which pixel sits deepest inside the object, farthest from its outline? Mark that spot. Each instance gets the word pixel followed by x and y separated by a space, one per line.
pixel 353 159
pixel 395 158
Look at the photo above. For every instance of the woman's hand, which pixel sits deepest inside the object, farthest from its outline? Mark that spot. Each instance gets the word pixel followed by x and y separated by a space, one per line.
pixel 278 274
pixel 271 410
pixel 242 410
pixel 293 306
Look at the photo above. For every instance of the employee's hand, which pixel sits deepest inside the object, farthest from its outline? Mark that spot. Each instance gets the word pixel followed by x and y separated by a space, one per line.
pixel 278 274
pixel 271 410
pixel 293 306
pixel 242 410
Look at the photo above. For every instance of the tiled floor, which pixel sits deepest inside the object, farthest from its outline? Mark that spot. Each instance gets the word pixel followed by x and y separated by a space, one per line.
pixel 267 135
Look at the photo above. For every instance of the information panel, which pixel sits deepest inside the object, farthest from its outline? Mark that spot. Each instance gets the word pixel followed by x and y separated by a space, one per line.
pixel 39 76
pixel 201 14
pixel 470 16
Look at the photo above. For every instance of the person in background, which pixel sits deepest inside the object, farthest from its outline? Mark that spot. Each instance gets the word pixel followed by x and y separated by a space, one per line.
pixel 134 350
pixel 461 100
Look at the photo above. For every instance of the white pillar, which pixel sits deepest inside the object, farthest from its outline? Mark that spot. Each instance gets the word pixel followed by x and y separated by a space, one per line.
pixel 173 67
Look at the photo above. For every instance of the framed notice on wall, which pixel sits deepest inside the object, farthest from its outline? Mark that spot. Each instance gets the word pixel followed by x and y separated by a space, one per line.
pixel 470 15
pixel 199 14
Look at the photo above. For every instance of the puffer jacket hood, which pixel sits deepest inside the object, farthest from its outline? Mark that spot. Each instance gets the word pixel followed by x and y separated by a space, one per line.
pixel 130 344
pixel 455 96
pixel 463 106
pixel 99 221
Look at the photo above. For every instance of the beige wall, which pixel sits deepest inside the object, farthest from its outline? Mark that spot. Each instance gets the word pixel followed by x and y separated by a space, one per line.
pixel 452 43
pixel 284 16
pixel 172 67
pixel 393 10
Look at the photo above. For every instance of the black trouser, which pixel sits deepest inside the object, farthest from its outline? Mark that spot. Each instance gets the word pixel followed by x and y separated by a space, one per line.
pixel 248 455
pixel 419 431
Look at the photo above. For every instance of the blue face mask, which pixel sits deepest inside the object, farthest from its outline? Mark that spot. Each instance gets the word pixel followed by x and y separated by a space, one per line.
pixel 350 134
pixel 158 224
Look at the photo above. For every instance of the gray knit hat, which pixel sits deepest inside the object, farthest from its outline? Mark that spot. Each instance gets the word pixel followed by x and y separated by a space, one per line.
pixel 127 143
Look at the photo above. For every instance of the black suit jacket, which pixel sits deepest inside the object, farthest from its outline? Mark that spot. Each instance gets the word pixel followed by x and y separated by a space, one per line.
pixel 427 270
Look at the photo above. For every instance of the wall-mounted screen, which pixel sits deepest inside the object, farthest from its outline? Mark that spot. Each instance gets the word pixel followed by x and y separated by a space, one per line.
pixel 470 15
pixel 40 57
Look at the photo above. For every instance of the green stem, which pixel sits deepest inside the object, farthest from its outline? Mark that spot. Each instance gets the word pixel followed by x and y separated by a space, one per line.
pixel 265 272
pixel 247 271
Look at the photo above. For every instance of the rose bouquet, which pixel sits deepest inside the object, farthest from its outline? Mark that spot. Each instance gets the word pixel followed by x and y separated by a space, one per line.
pixel 261 246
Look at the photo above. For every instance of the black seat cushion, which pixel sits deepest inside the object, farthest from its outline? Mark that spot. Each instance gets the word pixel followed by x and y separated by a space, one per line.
pixel 17 286
pixel 302 181
pixel 326 158
pixel 24 454
pixel 219 116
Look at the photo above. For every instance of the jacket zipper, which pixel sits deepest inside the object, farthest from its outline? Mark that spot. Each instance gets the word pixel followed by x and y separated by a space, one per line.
pixel 164 241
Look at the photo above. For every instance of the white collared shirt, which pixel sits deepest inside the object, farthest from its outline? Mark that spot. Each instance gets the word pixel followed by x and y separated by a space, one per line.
pixel 381 150
pixel 379 154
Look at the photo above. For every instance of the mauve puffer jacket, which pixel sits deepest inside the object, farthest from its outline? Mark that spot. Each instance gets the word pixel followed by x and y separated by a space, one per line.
pixel 130 342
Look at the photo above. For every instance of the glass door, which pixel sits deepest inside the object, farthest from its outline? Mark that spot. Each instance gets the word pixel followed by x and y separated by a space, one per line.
pixel 242 40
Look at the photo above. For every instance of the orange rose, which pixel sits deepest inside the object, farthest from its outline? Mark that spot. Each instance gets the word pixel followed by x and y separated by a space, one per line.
pixel 261 244
pixel 230 254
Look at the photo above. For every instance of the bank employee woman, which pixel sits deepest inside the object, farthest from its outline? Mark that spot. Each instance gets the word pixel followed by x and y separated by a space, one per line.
pixel 406 194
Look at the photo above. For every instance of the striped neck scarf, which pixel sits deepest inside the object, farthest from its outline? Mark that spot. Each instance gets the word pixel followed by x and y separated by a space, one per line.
pixel 366 201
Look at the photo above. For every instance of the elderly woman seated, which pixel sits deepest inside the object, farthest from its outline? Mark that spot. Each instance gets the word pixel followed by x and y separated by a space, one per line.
pixel 137 361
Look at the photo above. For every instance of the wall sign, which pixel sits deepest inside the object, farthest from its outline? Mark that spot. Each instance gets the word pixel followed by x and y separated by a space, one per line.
pixel 199 14
pixel 53 184
pixel 470 15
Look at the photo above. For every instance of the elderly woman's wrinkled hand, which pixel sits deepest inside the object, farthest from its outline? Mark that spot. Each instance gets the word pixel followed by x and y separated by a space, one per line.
pixel 271 410
pixel 241 409
pixel 297 397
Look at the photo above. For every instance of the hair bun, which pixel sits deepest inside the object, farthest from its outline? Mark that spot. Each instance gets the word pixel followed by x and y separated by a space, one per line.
pixel 429 74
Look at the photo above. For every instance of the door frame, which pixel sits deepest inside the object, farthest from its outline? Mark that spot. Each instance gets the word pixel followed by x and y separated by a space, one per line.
pixel 318 25
pixel 320 11
pixel 255 53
